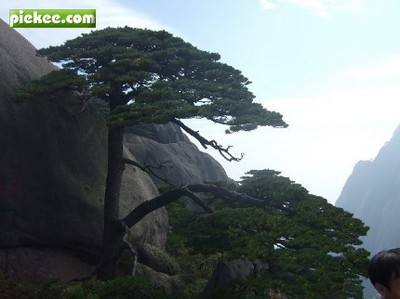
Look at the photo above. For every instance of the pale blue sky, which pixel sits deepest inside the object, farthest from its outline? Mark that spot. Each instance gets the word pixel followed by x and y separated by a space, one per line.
pixel 288 48
pixel 331 67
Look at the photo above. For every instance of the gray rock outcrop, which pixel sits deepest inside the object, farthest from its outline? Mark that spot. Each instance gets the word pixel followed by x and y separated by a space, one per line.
pixel 226 274
pixel 229 277
pixel 18 65
pixel 172 155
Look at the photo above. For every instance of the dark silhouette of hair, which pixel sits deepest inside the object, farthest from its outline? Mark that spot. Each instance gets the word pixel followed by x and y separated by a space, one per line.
pixel 383 265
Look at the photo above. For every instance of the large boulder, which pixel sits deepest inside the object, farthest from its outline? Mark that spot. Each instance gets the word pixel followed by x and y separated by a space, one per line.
pixel 157 259
pixel 169 284
pixel 52 176
pixel 227 273
pixel 229 277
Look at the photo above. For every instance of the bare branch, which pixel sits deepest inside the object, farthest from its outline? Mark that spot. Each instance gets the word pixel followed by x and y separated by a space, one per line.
pixel 204 142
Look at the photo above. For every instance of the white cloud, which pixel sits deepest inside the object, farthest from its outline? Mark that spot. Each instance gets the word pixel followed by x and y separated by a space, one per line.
pixel 388 68
pixel 318 7
pixel 353 6
pixel 267 5
pixel 322 8
pixel 109 13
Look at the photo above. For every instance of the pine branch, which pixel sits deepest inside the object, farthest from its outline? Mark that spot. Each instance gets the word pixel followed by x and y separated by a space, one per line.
pixel 160 201
pixel 164 199
pixel 226 195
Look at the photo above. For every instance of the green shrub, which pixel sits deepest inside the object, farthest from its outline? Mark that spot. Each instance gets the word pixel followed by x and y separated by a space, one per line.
pixel 127 287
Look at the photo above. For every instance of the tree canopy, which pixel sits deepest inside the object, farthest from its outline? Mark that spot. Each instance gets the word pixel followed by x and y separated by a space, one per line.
pixel 311 247
pixel 152 76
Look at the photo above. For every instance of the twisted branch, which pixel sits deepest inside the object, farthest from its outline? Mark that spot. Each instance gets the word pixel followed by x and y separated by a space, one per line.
pixel 160 201
pixel 224 152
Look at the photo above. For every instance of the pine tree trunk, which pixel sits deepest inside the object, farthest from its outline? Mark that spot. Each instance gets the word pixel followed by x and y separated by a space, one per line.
pixel 112 230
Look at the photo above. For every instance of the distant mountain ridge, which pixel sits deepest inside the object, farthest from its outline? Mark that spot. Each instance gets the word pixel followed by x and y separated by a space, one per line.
pixel 372 194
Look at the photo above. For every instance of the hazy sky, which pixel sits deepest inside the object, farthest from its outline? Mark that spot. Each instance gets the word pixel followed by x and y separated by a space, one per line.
pixel 331 67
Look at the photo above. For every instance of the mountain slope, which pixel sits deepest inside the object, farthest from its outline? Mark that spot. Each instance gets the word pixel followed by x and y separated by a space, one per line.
pixel 372 194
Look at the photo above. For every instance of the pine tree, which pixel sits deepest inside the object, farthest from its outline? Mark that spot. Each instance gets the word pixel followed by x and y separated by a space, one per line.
pixel 148 77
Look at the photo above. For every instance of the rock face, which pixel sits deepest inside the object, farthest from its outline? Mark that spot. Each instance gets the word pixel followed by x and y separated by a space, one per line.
pixel 372 194
pixel 52 177
pixel 180 160
pixel 18 65
pixel 229 277
pixel 226 274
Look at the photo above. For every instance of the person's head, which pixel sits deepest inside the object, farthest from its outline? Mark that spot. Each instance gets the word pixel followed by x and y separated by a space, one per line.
pixel 384 273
